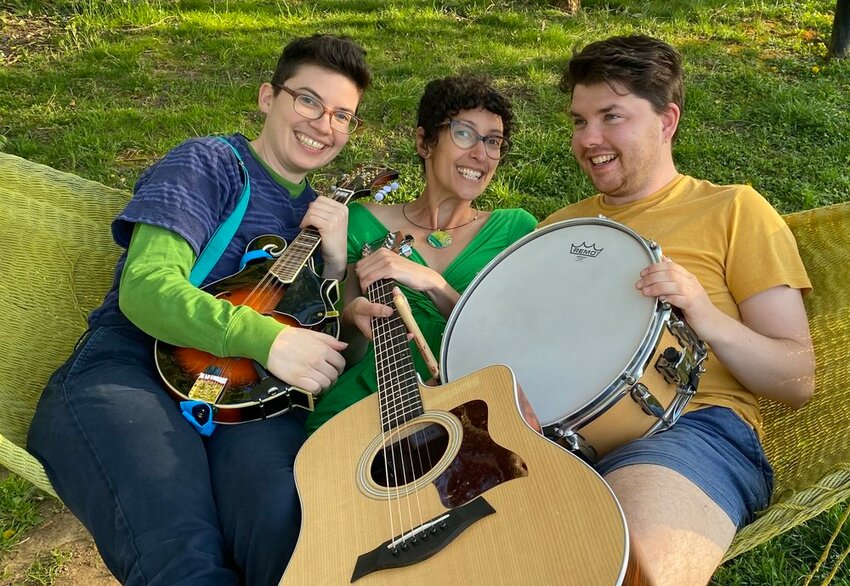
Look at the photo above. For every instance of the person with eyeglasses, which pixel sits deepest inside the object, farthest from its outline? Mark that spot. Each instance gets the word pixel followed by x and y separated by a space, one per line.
pixel 164 504
pixel 463 133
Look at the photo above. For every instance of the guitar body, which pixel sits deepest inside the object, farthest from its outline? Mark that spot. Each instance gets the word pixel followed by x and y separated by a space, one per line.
pixel 499 504
pixel 307 302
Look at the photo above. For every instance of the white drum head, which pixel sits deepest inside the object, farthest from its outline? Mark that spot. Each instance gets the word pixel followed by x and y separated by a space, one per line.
pixel 561 309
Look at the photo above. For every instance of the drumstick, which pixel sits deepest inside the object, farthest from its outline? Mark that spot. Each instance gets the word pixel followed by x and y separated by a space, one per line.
pixel 403 308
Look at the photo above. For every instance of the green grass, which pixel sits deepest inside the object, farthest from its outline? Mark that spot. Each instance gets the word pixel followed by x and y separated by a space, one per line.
pixel 18 510
pixel 103 89
pixel 791 557
pixel 44 570
pixel 121 82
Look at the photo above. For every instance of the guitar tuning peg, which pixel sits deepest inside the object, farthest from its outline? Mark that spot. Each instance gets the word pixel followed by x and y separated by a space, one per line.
pixel 393 186
pixel 405 250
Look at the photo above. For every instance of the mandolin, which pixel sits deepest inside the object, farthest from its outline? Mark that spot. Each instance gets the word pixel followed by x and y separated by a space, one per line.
pixel 280 280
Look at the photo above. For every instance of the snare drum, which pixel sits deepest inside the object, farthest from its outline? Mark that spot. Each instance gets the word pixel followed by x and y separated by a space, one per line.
pixel 600 363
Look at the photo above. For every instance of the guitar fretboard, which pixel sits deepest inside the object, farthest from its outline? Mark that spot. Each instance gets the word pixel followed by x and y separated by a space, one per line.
pixel 398 386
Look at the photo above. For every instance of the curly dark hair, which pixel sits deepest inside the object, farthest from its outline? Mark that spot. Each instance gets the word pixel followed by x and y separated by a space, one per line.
pixel 444 98
pixel 642 65
pixel 339 54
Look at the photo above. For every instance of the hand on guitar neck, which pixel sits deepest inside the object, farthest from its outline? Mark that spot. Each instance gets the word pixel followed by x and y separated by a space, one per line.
pixel 356 319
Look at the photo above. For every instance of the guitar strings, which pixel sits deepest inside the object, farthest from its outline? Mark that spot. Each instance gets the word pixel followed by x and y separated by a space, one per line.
pixel 391 340
pixel 380 340
pixel 268 291
pixel 389 415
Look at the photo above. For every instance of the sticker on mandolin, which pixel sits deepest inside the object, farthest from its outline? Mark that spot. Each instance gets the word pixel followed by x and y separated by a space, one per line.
pixel 208 387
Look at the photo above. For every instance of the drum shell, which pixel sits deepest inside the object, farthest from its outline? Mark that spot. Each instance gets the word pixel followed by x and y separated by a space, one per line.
pixel 544 264
pixel 625 420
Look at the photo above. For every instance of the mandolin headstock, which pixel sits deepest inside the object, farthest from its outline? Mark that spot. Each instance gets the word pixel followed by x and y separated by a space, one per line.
pixel 365 180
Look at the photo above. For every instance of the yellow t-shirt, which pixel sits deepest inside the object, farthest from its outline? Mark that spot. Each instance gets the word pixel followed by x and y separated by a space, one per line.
pixel 731 239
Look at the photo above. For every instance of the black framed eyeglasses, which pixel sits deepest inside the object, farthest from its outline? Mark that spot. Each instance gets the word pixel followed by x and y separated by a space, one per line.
pixel 311 108
pixel 465 136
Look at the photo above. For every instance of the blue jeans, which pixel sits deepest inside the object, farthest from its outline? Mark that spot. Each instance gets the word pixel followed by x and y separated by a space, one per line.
pixel 165 505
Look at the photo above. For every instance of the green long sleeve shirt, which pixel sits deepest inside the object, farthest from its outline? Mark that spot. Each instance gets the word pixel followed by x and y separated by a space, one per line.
pixel 156 295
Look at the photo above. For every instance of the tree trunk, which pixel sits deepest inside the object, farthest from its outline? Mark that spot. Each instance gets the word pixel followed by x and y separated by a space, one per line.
pixel 839 46
pixel 572 6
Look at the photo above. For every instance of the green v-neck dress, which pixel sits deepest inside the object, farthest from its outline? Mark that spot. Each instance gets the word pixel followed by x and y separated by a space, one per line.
pixel 503 228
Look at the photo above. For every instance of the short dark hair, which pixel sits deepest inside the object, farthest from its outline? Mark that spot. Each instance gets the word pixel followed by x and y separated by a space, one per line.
pixel 444 98
pixel 645 66
pixel 339 54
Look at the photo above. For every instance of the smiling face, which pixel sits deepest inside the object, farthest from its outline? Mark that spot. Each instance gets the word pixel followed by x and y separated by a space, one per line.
pixel 621 143
pixel 293 145
pixel 451 171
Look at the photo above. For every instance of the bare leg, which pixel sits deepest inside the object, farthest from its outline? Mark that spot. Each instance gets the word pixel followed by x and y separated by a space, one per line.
pixel 678 534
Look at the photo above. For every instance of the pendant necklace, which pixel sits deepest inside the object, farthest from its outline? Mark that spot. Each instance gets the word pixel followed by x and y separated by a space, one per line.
pixel 440 237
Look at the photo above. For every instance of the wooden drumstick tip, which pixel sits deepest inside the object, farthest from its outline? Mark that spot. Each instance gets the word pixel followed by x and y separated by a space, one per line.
pixel 406 314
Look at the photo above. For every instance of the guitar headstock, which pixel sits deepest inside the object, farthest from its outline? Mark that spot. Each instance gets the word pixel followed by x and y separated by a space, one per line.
pixel 365 180
pixel 401 244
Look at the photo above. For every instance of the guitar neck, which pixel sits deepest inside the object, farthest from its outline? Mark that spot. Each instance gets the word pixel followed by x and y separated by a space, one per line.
pixel 398 386
pixel 296 255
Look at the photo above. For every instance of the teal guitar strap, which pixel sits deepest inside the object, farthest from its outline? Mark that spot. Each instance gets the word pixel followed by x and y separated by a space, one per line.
pixel 225 231
pixel 198 413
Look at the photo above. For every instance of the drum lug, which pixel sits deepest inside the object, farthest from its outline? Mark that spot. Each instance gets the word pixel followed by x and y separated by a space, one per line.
pixel 573 442
pixel 647 401
pixel 685 335
pixel 682 368
pixel 668 366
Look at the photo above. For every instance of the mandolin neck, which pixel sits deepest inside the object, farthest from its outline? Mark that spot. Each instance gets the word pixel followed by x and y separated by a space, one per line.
pixel 301 249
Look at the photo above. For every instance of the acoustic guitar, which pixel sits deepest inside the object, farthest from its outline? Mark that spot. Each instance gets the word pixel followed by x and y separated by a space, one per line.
pixel 280 281
pixel 447 485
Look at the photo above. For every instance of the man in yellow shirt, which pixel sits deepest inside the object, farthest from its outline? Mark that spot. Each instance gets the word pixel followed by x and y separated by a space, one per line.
pixel 731 267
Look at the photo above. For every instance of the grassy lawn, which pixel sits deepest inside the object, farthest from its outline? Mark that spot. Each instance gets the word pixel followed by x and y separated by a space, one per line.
pixel 102 89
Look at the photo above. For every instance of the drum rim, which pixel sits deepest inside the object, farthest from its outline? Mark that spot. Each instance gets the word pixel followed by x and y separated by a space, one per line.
pixel 634 367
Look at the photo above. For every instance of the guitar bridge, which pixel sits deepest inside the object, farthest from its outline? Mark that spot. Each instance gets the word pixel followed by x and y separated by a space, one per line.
pixel 423 542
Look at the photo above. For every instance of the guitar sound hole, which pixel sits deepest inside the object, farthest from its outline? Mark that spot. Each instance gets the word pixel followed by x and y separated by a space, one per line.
pixel 411 456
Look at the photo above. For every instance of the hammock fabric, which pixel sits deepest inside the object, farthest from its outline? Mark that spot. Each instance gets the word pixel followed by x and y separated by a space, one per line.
pixel 809 448
pixel 56 259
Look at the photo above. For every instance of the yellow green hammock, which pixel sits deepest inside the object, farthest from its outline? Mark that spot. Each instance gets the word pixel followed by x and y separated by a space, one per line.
pixel 56 260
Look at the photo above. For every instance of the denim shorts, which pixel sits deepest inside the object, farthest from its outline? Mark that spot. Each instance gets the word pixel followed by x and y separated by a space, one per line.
pixel 713 448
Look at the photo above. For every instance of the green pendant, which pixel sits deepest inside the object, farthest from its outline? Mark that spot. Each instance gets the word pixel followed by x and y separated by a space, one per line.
pixel 439 239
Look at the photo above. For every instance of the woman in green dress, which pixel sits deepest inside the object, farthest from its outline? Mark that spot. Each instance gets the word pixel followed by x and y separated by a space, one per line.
pixel 463 131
